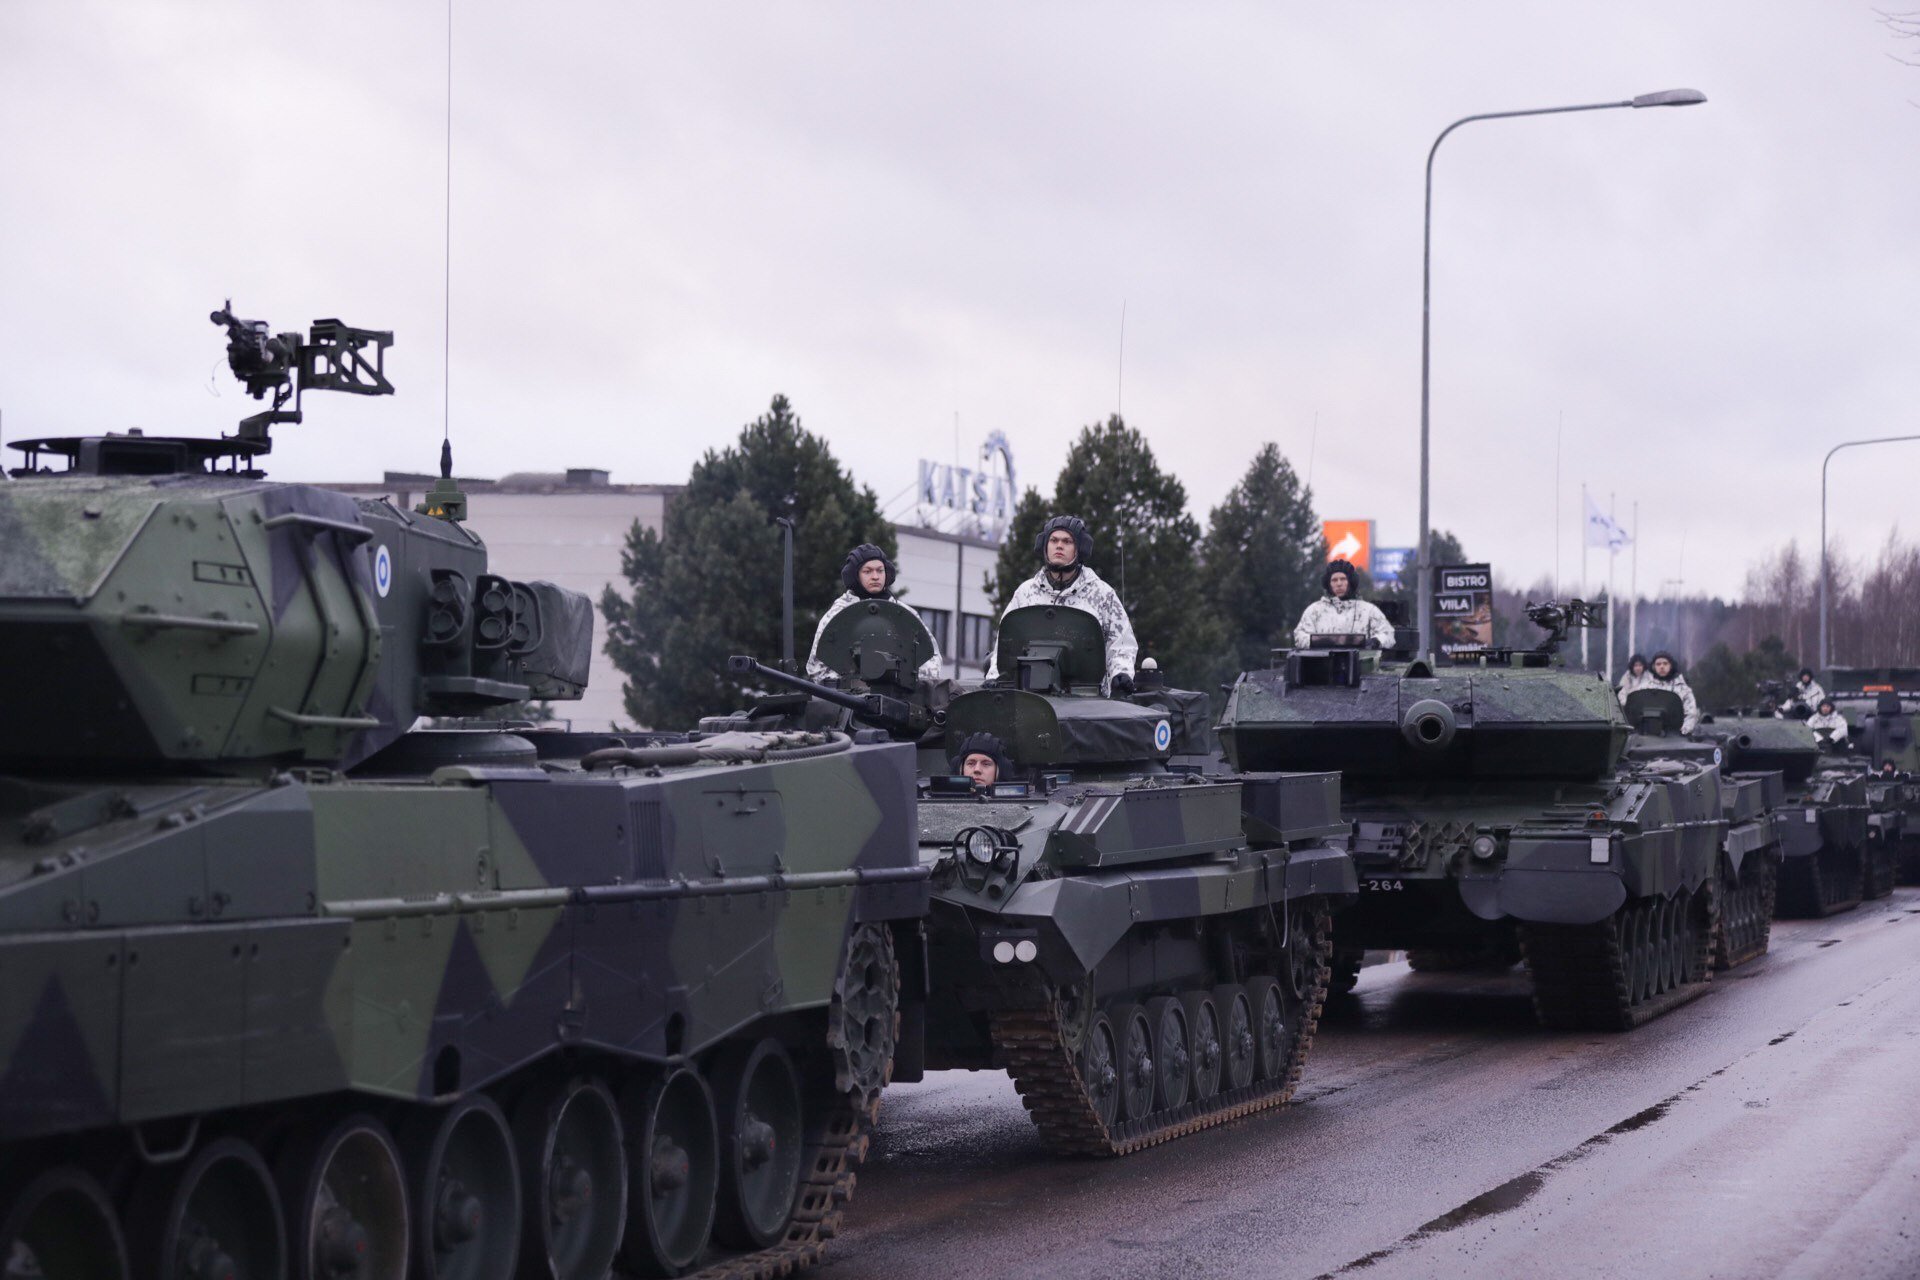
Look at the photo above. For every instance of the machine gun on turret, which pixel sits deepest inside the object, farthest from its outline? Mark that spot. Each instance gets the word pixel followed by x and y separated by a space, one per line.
pixel 902 717
pixel 875 649
pixel 334 357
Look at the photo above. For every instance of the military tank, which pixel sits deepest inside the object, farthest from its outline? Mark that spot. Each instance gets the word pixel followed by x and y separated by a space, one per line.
pixel 289 989
pixel 1753 802
pixel 1142 944
pixel 1882 708
pixel 1826 842
pixel 1494 814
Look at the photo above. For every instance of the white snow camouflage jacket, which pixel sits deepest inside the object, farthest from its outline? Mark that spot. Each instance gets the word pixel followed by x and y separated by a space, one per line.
pixel 1689 709
pixel 1833 724
pixel 818 670
pixel 1088 593
pixel 1346 617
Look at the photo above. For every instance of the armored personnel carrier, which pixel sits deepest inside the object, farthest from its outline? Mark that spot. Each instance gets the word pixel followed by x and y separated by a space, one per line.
pixel 1493 813
pixel 1144 946
pixel 287 989
pixel 1751 800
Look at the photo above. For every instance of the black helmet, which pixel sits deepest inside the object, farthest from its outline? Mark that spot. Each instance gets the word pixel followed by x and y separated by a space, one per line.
pixel 1806 673
pixel 1640 658
pixel 1340 566
pixel 1826 706
pixel 1082 540
pixel 1670 658
pixel 984 744
pixel 850 571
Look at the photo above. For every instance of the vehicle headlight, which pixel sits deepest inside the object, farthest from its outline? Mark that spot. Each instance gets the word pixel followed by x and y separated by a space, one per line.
pixel 979 845
pixel 1484 847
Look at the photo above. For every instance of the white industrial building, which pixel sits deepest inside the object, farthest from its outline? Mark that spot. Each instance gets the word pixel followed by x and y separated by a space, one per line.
pixel 569 528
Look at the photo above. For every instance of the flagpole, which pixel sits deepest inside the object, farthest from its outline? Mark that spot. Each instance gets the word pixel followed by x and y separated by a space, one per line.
pixel 1633 586
pixel 1612 555
pixel 1585 537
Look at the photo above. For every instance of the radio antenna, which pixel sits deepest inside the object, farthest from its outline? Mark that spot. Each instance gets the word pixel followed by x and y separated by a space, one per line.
pixel 446 259
pixel 1120 379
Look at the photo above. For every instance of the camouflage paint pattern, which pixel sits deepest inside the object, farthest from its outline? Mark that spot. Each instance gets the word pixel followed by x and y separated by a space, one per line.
pixel 199 910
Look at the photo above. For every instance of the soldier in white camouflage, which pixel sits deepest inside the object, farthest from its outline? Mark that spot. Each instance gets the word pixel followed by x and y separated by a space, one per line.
pixel 1635 676
pixel 866 575
pixel 1065 578
pixel 1830 725
pixel 1665 674
pixel 1341 613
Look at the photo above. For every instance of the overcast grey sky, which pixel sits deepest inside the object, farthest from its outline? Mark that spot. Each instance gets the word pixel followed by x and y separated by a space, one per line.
pixel 662 215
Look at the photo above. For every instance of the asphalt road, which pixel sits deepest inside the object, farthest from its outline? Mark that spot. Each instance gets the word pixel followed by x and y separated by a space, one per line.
pixel 1770 1128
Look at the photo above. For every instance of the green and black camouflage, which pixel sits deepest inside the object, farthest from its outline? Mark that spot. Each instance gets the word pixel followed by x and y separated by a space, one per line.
pixel 287 989
pixel 1494 817
pixel 1142 944
pixel 1882 709
pixel 1752 800
pixel 1827 843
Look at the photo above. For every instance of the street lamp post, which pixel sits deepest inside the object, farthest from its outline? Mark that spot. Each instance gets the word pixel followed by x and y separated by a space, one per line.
pixel 1423 556
pixel 1826 653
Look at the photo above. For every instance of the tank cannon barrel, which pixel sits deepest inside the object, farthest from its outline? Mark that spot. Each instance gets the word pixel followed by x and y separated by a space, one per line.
pixel 898 716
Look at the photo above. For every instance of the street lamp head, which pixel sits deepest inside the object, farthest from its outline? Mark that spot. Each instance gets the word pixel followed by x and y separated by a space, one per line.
pixel 1670 98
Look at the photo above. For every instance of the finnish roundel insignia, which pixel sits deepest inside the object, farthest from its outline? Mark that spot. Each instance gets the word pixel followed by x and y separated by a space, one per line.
pixel 382 570
pixel 1162 735
pixel 1716 755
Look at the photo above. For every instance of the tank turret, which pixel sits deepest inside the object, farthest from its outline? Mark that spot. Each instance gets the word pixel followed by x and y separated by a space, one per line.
pixel 1507 714
pixel 159 609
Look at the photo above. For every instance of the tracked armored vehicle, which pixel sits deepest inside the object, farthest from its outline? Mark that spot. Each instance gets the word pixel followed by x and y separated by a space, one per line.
pixel 1825 836
pixel 289 990
pixel 1882 707
pixel 1753 802
pixel 1493 815
pixel 1142 945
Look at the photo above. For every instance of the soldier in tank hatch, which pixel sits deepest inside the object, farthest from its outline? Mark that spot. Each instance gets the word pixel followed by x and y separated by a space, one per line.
pixel 1635 676
pixel 1341 613
pixel 983 758
pixel 1804 694
pixel 1829 724
pixel 866 575
pixel 1664 673
pixel 1065 578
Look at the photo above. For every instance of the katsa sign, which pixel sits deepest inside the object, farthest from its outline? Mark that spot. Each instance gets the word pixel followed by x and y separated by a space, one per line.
pixel 983 495
pixel 1349 540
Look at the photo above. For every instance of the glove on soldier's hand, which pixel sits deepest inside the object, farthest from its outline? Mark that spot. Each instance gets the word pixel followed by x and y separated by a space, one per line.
pixel 1121 686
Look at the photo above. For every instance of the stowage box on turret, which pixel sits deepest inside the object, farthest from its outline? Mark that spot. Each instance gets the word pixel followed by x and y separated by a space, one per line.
pixel 289 989
pixel 1493 819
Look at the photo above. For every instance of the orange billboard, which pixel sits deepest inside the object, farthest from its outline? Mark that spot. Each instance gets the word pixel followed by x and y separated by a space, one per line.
pixel 1349 540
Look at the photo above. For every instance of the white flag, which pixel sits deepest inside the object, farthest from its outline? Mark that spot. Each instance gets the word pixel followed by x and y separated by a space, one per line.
pixel 1603 530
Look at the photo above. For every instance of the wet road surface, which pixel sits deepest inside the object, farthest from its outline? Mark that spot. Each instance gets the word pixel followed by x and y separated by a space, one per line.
pixel 1770 1128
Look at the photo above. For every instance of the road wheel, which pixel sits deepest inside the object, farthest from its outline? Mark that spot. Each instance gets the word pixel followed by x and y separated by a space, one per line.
pixel 1172 1052
pixel 60 1225
pixel 1239 1057
pixel 574 1179
pixel 465 1187
pixel 1100 1069
pixel 1271 1037
pixel 761 1141
pixel 215 1214
pixel 346 1201
pixel 676 1160
pixel 1203 1035
pixel 1137 1072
